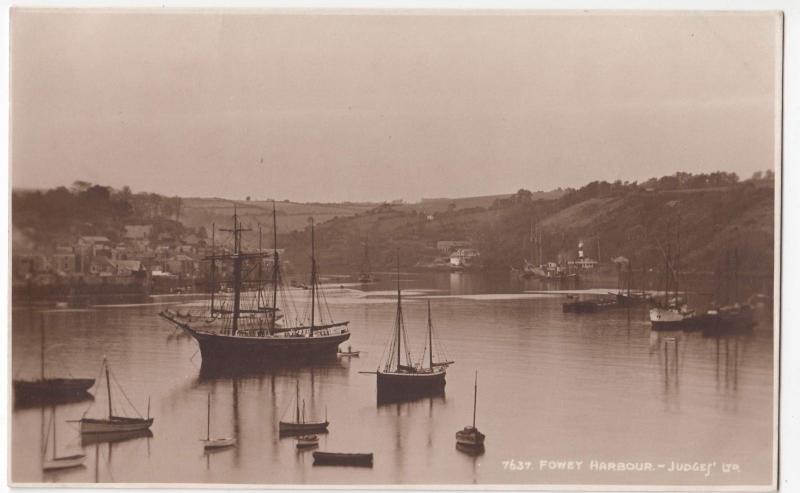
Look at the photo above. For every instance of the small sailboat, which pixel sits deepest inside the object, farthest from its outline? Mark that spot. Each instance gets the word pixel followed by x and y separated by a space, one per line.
pixel 300 425
pixel 470 437
pixel 307 441
pixel 46 389
pixel 112 423
pixel 215 443
pixel 55 462
pixel 349 353
pixel 674 313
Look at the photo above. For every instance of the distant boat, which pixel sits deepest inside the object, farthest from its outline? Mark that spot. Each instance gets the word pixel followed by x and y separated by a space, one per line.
pixel 55 462
pixel 470 437
pixel 307 441
pixel 673 313
pixel 215 443
pixel 300 425
pixel 114 424
pixel 349 353
pixel 342 459
pixel 46 389
pixel 398 380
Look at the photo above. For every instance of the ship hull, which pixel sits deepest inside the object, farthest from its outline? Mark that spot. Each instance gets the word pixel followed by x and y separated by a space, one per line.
pixel 670 319
pixel 394 387
pixel 234 349
pixel 290 428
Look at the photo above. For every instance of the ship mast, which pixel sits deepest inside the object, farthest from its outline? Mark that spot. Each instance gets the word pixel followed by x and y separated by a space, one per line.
pixel 42 348
pixel 213 267
pixel 237 268
pixel 108 387
pixel 475 400
pixel 430 336
pixel 399 311
pixel 275 268
pixel 313 279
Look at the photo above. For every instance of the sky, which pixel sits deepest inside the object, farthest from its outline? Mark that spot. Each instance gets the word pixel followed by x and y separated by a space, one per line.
pixel 373 107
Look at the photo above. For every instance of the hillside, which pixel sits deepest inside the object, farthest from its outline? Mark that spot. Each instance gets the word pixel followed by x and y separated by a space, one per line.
pixel 635 223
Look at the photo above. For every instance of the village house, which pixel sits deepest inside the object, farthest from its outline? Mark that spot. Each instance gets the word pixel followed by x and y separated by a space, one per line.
pixel 447 247
pixel 463 257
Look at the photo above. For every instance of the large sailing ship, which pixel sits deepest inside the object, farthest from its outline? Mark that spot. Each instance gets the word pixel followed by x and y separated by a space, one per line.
pixel 261 323
pixel 399 380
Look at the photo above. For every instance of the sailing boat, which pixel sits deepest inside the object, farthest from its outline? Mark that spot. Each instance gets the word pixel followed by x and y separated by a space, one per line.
pixel 258 333
pixel 56 462
pixel 216 443
pixel 50 389
pixel 366 270
pixel 470 436
pixel 300 425
pixel 397 381
pixel 673 314
pixel 114 424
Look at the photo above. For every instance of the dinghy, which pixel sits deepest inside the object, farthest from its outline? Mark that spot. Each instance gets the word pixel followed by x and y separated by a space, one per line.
pixel 342 459
pixel 300 425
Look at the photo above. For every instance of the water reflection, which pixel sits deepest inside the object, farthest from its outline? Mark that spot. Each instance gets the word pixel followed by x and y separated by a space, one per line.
pixel 543 367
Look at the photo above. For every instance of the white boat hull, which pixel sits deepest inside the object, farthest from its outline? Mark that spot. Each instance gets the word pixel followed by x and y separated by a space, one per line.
pixel 63 462
pixel 219 443
pixel 114 425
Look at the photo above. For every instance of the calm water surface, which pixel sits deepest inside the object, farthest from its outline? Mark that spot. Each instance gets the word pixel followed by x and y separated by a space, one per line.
pixel 552 386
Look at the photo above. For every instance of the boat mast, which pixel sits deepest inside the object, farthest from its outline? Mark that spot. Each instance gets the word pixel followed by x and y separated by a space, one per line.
pixel 430 336
pixel 399 310
pixel 677 260
pixel 55 432
pixel 275 267
pixel 475 400
pixel 108 387
pixel 208 419
pixel 297 403
pixel 313 279
pixel 41 349
pixel 237 268
pixel 213 267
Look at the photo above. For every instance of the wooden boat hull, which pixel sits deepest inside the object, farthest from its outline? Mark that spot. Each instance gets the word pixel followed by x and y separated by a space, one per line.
pixel 52 388
pixel 473 450
pixel 341 459
pixel 223 348
pixel 63 462
pixel 306 442
pixel 727 321
pixel 113 437
pixel 218 443
pixel 286 427
pixel 470 436
pixel 670 319
pixel 400 386
pixel 114 425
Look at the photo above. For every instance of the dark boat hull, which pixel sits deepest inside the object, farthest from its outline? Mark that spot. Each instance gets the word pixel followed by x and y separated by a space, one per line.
pixel 393 387
pixel 52 389
pixel 229 349
pixel 339 459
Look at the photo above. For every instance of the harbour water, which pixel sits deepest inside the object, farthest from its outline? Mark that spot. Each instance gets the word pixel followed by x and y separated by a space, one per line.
pixel 553 387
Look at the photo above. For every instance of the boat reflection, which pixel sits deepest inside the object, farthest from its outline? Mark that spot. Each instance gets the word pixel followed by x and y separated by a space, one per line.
pixel 24 401
pixel 212 370
pixel 115 437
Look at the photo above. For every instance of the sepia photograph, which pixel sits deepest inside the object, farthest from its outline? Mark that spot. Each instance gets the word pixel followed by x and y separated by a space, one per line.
pixel 473 249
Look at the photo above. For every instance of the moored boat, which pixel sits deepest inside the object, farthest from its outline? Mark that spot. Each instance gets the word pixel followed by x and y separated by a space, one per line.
pixel 307 441
pixel 470 438
pixel 215 443
pixel 49 390
pixel 112 423
pixel 400 380
pixel 258 329
pixel 300 425
pixel 56 462
pixel 349 353
pixel 343 459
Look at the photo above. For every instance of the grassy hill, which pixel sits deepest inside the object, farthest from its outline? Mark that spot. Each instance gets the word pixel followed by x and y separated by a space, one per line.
pixel 635 223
